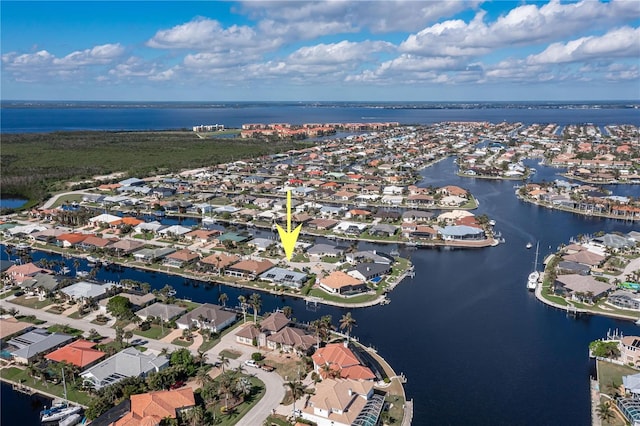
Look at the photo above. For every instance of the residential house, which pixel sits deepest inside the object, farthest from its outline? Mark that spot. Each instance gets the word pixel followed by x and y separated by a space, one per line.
pixel 290 339
pixel 181 258
pixel 340 402
pixel 339 282
pixel 129 362
pixel 79 353
pixel 20 273
pixel 581 287
pixel 208 316
pixel 10 326
pixel 284 277
pixel 630 350
pixel 318 251
pixel 152 255
pixel 42 283
pixel 322 224
pixel 85 290
pixel 36 342
pixel 125 247
pixel 248 269
pixel 153 408
pixel 338 357
pixel 370 271
pixel 217 262
pixel 160 310
pixel 461 233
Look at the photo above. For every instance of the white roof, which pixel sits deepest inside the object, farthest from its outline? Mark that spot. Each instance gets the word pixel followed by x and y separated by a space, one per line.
pixel 86 289
pixel 104 218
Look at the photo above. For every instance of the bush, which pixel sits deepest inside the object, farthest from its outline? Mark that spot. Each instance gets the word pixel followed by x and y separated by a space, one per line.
pixel 144 326
pixel 257 356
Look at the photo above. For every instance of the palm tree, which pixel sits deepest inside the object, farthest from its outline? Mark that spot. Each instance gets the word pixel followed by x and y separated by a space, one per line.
pixel 256 303
pixel 287 311
pixel 203 377
pixel 76 265
pixel 223 299
pixel 347 322
pixel 223 361
pixel 297 390
pixel 604 411
pixel 194 416
pixel 243 306
pixel 201 358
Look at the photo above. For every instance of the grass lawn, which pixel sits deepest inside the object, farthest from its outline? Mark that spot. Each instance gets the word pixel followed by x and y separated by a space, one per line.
pixel 155 332
pixel 30 319
pixel 258 390
pixel 190 306
pixel 208 344
pixel 67 198
pixel 76 315
pixel 6 294
pixel 228 353
pixel 57 328
pixel 316 292
pixel 610 374
pixel 396 412
pixel 178 341
pixel 19 375
pixel 277 420
pixel 31 302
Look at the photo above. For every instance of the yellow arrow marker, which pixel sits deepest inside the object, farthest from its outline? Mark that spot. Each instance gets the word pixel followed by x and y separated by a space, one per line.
pixel 288 237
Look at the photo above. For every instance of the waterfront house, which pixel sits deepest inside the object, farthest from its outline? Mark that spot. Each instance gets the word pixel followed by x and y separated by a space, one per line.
pixel 34 343
pixel 148 255
pixel 624 299
pixel 284 277
pixel 217 262
pixel 70 240
pixel 275 322
pixel 341 359
pixel 160 310
pixel 339 402
pixel 322 224
pixel 181 258
pixel 461 233
pixel 125 247
pixel 383 230
pixel 129 362
pixel 585 257
pixel 417 216
pixel 208 316
pixel 21 273
pixel 318 251
pixel 370 271
pixel 85 290
pixel 290 339
pixel 368 256
pixel 94 243
pixel 248 335
pixel 581 287
pixel 630 350
pixel 339 282
pixel 177 231
pixel 248 269
pixel 79 353
pixel 153 408
pixel 42 283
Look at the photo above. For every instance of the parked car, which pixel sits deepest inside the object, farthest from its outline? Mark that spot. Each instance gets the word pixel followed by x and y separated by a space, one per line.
pixel 251 363
pixel 177 385
pixel 268 368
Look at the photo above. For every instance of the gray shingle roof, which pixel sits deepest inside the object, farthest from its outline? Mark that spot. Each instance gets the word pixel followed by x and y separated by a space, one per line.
pixel 127 363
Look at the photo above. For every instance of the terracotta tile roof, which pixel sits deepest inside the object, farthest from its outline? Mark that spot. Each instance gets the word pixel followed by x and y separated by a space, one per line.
pixel 253 266
pixel 78 353
pixel 151 407
pixel 339 357
pixel 339 279
pixel 274 322
pixel 72 238
pixel 220 260
pixel 184 255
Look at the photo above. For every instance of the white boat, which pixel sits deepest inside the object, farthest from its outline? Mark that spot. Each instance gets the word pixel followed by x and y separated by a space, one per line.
pixel 492 222
pixel 55 414
pixel 534 277
pixel 82 274
pixel 529 245
pixel 72 420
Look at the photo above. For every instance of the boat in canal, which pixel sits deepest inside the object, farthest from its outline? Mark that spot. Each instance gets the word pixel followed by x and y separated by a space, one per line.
pixel 534 276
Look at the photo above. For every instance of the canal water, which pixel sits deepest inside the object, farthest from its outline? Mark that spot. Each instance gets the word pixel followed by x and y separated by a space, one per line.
pixel 476 347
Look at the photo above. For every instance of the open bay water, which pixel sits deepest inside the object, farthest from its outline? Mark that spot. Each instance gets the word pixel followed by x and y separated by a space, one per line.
pixel 18 117
pixel 476 347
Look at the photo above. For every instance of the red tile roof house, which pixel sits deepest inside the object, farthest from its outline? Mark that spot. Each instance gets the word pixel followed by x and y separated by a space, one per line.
pixel 217 262
pixel 79 353
pixel 181 258
pixel 339 282
pixel 248 269
pixel 70 240
pixel 150 409
pixel 20 273
pixel 340 358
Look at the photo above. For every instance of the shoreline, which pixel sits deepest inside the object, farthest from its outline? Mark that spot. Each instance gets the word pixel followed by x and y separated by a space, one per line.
pixel 578 212
pixel 35 390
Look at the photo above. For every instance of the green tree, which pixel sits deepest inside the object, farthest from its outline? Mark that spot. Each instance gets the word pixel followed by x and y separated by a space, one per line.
pixel 223 299
pixel 120 307
pixel 347 322
pixel 604 411
pixel 296 388
pixel 256 302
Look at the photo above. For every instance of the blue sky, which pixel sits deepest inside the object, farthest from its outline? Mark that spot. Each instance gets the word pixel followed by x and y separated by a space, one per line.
pixel 329 50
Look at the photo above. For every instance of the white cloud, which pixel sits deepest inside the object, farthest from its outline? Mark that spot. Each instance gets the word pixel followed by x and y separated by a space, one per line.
pixel 209 35
pixel 622 42
pixel 346 53
pixel 330 17
pixel 523 25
